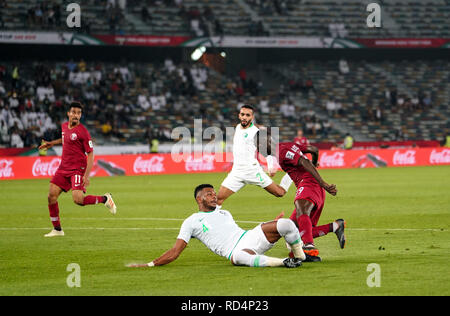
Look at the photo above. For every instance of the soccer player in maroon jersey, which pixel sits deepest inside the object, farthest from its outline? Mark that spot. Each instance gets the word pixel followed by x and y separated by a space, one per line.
pixel 300 139
pixel 73 172
pixel 310 197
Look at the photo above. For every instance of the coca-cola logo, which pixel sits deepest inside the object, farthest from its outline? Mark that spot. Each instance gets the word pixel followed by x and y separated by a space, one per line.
pixel 6 168
pixel 406 158
pixel 152 165
pixel 334 160
pixel 440 157
pixel 204 163
pixel 45 168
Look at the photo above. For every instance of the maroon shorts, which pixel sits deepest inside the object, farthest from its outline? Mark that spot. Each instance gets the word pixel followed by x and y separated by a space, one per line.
pixel 315 194
pixel 67 181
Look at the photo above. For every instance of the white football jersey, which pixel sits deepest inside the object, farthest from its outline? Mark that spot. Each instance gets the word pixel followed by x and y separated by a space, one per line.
pixel 217 230
pixel 244 147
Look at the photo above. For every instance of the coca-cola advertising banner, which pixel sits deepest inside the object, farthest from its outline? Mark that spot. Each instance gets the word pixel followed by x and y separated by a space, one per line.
pixel 145 164
pixel 148 164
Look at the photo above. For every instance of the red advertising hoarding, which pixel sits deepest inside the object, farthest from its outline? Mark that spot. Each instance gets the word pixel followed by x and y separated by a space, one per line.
pixel 150 164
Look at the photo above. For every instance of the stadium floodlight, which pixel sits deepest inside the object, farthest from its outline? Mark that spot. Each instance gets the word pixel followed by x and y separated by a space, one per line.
pixel 198 53
pixel 223 54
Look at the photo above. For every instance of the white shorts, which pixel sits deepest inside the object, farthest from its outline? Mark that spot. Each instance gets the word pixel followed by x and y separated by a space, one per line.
pixel 238 178
pixel 254 240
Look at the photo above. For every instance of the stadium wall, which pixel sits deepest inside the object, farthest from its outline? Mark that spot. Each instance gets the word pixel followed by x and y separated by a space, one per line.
pixel 153 164
pixel 236 57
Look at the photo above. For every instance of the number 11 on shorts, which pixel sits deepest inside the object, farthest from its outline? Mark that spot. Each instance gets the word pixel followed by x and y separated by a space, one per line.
pixel 77 180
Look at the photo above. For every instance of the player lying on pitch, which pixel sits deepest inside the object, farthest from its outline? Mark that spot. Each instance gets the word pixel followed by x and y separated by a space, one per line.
pixel 218 231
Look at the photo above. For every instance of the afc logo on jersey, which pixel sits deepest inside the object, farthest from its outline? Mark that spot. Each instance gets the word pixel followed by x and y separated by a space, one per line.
pixel 290 155
pixel 73 136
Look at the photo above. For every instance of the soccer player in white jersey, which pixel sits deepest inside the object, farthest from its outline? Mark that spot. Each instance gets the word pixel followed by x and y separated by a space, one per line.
pixel 246 168
pixel 218 231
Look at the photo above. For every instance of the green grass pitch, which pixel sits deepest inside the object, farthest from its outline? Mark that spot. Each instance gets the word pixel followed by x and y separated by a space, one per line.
pixel 397 218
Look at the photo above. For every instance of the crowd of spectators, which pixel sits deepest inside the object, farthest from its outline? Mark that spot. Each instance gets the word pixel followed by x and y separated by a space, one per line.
pixel 160 96
pixel 33 97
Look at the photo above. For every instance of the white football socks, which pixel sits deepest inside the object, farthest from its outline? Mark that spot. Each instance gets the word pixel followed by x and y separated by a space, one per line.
pixel 335 226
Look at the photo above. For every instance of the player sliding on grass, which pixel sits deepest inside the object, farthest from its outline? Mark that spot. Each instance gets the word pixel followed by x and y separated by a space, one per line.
pixel 246 168
pixel 218 231
pixel 73 172
pixel 310 197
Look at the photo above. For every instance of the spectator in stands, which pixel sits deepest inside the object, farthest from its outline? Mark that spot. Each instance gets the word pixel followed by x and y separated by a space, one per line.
pixel 343 67
pixel 348 141
pixel 398 134
pixel 106 129
pixel 378 113
pixel 326 128
pixel 4 134
pixel 143 101
pixel 16 140
pixel 145 14
pixel 15 77
pixel 446 142
pixel 331 107
pixel 393 97
pixel 300 138
pixel 264 105
pixel 415 103
pixel 427 102
pixel 309 85
pixel 288 109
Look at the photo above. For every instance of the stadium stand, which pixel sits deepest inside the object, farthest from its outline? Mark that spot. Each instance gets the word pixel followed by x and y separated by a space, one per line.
pixel 130 102
pixel 401 18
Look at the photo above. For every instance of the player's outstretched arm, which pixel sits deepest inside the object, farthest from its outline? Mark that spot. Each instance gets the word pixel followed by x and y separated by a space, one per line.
pixel 314 151
pixel 50 144
pixel 171 254
pixel 305 163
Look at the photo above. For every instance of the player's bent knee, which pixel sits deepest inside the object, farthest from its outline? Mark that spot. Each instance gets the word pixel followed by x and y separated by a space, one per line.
pixel 79 200
pixel 52 199
pixel 288 230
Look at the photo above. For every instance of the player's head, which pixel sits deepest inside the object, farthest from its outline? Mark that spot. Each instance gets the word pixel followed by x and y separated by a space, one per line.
pixel 206 197
pixel 299 133
pixel 246 115
pixel 74 113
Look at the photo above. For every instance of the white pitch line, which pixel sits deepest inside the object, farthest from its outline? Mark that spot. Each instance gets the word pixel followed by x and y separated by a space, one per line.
pixel 177 228
pixel 91 228
pixel 143 219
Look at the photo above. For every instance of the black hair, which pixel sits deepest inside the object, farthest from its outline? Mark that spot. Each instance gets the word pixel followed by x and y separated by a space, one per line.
pixel 248 106
pixel 75 104
pixel 201 187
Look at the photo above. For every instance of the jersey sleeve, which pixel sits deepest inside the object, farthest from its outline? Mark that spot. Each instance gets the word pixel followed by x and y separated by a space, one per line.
pixel 303 147
pixel 290 157
pixel 186 230
pixel 88 146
